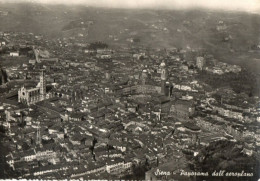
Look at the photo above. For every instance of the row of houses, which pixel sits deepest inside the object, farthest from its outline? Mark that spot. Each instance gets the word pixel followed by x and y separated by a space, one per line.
pixel 30 155
pixel 238 131
pixel 112 167
pixel 228 112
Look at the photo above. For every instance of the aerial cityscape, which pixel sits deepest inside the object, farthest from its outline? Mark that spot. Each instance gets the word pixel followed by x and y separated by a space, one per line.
pixel 92 93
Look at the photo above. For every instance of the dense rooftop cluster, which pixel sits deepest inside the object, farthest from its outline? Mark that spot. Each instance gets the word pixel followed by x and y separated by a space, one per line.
pixel 108 112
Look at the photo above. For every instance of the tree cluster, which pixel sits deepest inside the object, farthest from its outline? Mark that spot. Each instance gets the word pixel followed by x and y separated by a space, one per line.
pixel 239 82
pixel 228 156
pixel 97 45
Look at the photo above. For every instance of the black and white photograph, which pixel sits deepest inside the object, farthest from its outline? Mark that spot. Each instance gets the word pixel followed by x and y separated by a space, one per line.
pixel 130 90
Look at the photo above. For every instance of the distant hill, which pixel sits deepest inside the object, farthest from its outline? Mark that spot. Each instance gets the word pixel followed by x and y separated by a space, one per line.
pixel 227 35
pixel 77 24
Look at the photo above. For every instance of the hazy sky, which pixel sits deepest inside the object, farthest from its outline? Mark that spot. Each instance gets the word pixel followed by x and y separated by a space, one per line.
pixel 241 5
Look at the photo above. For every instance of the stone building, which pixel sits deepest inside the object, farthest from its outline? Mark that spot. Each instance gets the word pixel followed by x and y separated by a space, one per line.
pixel 32 95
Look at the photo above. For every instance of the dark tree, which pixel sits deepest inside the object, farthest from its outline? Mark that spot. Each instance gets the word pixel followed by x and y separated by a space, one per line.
pixel 97 45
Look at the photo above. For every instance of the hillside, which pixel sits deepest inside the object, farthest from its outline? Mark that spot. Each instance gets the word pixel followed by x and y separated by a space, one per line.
pixel 229 36
pixel 227 156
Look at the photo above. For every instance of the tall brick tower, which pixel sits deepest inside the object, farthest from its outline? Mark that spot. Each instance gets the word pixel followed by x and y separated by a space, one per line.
pixel 42 85
pixel 163 76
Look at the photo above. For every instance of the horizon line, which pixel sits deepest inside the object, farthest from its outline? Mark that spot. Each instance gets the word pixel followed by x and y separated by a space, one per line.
pixel 133 7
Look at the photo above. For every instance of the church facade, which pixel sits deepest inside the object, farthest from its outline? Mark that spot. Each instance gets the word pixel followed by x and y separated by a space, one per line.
pixel 33 95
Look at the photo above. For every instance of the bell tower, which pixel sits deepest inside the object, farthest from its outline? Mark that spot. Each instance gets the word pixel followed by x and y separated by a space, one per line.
pixel 144 76
pixel 42 85
pixel 163 76
pixel 38 140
